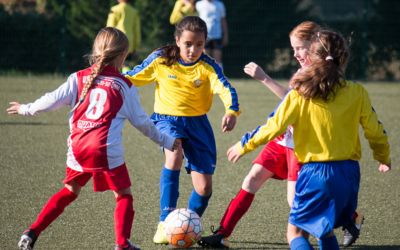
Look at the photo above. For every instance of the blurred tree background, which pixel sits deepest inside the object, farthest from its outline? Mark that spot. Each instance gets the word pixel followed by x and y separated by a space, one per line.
pixel 54 35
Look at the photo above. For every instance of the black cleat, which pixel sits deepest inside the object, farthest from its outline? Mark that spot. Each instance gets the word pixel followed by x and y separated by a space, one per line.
pixel 27 241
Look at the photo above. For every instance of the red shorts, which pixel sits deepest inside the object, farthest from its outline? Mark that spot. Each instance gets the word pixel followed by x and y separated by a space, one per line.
pixel 280 160
pixel 115 179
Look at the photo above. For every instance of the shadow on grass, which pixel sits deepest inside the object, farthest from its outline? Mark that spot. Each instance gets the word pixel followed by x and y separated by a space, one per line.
pixel 260 245
pixel 366 247
pixel 32 124
pixel 281 245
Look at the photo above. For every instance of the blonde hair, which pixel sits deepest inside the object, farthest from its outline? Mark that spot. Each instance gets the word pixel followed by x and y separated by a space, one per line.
pixel 329 53
pixel 109 46
pixel 305 30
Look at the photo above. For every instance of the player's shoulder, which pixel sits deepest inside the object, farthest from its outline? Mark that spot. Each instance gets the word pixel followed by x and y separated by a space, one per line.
pixel 82 72
pixel 354 86
pixel 208 60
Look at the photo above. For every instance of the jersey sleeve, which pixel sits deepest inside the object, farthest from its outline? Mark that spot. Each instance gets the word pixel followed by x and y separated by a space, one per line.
pixel 65 95
pixel 277 123
pixel 137 34
pixel 112 18
pixel 374 131
pixel 176 14
pixel 144 73
pixel 140 120
pixel 221 86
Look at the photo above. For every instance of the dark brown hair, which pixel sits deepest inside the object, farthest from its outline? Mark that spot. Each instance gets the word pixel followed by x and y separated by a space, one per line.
pixel 329 54
pixel 171 52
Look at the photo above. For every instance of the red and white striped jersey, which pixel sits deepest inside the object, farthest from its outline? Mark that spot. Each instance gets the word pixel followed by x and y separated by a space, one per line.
pixel 95 140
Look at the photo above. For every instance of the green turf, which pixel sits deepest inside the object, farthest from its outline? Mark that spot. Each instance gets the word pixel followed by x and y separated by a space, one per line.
pixel 32 165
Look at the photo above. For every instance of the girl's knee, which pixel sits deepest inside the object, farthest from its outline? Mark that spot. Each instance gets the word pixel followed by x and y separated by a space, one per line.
pixel 74 187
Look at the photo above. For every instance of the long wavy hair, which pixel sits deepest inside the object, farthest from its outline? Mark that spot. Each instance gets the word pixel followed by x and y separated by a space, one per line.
pixel 329 53
pixel 171 52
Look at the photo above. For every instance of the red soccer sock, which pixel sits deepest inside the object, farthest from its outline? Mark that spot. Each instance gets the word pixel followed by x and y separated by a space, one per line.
pixel 52 209
pixel 123 219
pixel 235 211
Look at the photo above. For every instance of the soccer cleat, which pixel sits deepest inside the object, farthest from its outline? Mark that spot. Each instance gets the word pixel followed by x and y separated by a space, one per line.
pixel 352 232
pixel 27 241
pixel 161 236
pixel 129 247
pixel 216 240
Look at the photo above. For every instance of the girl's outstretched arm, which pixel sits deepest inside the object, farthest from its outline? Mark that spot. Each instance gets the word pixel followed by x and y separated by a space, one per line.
pixel 256 72
pixel 14 108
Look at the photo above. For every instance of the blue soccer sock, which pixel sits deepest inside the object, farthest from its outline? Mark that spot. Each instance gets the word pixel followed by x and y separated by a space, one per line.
pixel 169 191
pixel 198 203
pixel 328 243
pixel 300 243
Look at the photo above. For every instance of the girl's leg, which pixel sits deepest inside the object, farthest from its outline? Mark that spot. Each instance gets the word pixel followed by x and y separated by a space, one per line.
pixel 50 211
pixel 201 193
pixel 239 205
pixel 169 190
pixel 169 181
pixel 291 190
pixel 55 206
pixel 123 216
pixel 297 238
pixel 328 243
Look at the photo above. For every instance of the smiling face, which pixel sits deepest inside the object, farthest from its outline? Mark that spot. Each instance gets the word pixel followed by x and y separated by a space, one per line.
pixel 300 50
pixel 191 45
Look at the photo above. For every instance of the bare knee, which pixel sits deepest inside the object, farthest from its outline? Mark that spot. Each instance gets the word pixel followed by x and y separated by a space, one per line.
pixel 202 183
pixel 125 191
pixel 74 187
pixel 294 232
pixel 254 180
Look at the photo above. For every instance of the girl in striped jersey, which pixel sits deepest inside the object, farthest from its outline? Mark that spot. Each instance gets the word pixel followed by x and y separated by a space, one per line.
pixel 102 99
pixel 186 80
pixel 325 111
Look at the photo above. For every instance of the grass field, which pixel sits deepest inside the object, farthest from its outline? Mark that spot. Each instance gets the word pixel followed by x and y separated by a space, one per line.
pixel 32 165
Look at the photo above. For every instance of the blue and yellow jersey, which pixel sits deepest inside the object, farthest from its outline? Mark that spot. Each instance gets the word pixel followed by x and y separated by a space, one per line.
pixel 325 131
pixel 185 89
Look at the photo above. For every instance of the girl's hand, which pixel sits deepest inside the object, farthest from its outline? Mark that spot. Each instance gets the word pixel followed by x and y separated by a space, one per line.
pixel 233 154
pixel 14 108
pixel 384 168
pixel 255 71
pixel 228 122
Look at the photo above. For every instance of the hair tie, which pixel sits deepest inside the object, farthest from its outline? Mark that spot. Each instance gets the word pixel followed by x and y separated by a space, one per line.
pixel 329 58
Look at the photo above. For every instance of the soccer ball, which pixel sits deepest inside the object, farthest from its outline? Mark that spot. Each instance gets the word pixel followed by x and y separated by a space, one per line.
pixel 183 228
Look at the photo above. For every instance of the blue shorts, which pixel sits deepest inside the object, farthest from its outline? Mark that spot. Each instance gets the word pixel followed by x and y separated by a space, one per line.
pixel 197 140
pixel 326 196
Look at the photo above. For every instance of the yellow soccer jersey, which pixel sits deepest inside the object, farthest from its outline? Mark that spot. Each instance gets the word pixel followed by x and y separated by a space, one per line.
pixel 180 11
pixel 185 89
pixel 126 18
pixel 325 131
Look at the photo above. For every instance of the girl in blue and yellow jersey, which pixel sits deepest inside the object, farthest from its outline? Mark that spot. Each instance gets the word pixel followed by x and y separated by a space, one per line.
pixel 325 111
pixel 186 80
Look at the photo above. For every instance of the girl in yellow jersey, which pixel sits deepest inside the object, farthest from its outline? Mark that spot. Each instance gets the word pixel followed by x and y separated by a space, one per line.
pixel 186 80
pixel 325 111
